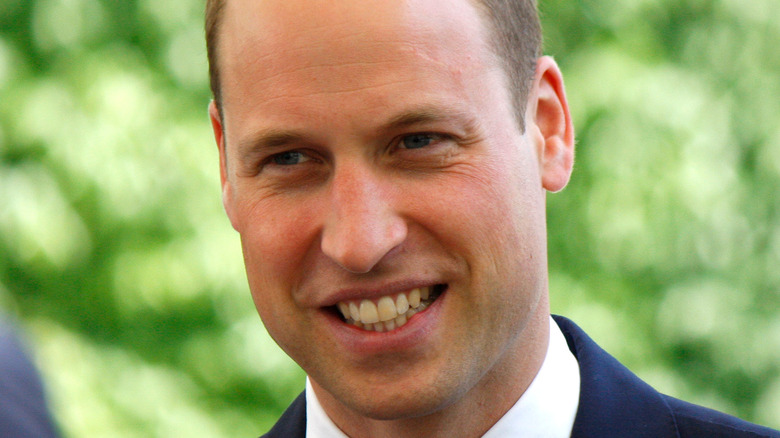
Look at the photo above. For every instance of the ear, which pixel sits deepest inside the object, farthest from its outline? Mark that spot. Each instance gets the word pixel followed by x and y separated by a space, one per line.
pixel 219 136
pixel 551 121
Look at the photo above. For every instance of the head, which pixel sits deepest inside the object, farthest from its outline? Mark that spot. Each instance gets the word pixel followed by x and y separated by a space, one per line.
pixel 515 38
pixel 375 157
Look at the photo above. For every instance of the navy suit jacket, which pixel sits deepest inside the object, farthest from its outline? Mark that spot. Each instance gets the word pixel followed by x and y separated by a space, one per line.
pixel 613 403
pixel 23 410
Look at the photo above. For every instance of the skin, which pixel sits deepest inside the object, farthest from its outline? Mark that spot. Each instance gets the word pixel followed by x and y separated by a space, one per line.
pixel 320 100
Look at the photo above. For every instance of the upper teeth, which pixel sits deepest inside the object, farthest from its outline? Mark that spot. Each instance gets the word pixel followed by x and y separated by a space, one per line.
pixel 388 312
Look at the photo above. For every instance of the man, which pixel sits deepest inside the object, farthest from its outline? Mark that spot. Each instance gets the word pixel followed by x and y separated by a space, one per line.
pixel 386 165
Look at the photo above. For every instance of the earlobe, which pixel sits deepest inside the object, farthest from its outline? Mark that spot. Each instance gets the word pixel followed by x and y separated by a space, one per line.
pixel 219 137
pixel 553 121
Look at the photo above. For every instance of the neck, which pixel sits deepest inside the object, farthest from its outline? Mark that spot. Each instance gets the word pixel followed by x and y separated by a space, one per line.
pixel 474 413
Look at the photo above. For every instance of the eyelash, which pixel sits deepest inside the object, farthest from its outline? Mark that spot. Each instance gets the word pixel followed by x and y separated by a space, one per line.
pixel 435 140
pixel 432 137
pixel 274 157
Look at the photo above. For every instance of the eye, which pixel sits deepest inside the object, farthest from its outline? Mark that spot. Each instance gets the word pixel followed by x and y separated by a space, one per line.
pixel 289 158
pixel 417 141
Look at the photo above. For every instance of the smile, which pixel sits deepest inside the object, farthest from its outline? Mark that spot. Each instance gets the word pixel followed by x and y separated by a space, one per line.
pixel 390 311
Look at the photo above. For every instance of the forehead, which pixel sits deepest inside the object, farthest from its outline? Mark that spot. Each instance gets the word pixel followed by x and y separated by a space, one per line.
pixel 275 37
pixel 332 68
pixel 289 17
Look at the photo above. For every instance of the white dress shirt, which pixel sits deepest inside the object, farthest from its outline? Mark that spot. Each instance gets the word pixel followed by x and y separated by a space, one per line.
pixel 546 409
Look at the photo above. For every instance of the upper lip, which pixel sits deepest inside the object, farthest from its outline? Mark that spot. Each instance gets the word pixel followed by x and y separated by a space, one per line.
pixel 369 292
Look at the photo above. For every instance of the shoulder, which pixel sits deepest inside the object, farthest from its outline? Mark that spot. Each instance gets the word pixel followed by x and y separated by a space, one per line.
pixel 614 402
pixel 698 421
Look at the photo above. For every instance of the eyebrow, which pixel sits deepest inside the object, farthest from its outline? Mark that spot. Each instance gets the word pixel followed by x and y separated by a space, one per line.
pixel 429 114
pixel 265 139
pixel 272 138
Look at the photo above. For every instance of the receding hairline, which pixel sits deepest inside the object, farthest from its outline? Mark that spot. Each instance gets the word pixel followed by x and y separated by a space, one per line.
pixel 506 37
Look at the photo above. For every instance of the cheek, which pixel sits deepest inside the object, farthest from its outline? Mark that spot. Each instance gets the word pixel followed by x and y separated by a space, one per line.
pixel 486 206
pixel 276 235
pixel 275 242
pixel 493 220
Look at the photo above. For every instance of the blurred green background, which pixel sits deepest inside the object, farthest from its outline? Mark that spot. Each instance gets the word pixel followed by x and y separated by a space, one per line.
pixel 118 260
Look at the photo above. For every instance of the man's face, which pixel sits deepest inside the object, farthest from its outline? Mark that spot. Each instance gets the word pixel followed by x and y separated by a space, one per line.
pixel 370 149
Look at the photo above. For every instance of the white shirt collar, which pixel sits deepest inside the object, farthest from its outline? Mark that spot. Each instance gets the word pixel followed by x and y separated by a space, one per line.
pixel 546 409
pixel 318 424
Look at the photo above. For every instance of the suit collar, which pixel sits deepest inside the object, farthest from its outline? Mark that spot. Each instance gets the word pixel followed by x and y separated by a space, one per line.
pixel 292 423
pixel 613 401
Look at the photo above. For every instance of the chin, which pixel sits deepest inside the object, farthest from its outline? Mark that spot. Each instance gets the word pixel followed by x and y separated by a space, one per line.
pixel 402 403
pixel 412 406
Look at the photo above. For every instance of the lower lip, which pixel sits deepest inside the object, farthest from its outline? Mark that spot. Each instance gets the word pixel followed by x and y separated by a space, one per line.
pixel 413 334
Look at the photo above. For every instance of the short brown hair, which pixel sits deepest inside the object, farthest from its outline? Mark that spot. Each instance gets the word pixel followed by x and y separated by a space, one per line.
pixel 516 34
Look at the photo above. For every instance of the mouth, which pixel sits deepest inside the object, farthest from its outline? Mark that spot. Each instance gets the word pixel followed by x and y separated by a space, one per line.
pixel 390 311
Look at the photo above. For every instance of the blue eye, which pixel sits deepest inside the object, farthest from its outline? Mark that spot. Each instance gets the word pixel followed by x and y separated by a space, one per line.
pixel 417 141
pixel 288 158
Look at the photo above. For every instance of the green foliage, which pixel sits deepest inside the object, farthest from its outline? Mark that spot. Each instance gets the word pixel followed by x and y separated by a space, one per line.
pixel 665 246
pixel 116 254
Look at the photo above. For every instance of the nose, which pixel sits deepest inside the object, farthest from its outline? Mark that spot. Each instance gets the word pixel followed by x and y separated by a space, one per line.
pixel 363 224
